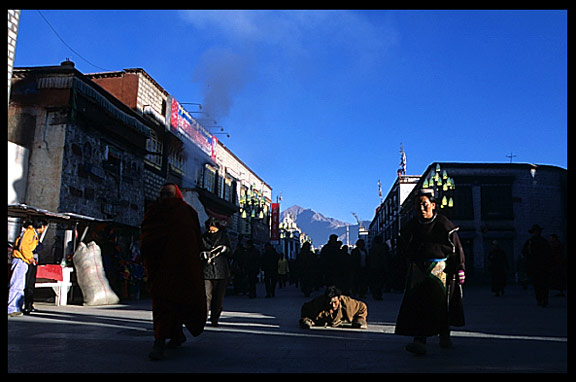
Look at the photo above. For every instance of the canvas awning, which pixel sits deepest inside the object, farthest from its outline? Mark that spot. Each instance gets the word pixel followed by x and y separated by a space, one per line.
pixel 21 210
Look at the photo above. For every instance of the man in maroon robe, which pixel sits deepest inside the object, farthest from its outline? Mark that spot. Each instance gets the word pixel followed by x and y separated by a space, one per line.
pixel 170 247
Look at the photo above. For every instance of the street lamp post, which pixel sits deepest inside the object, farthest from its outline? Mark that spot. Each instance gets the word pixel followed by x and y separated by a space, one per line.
pixel 253 208
pixel 442 185
pixel 252 204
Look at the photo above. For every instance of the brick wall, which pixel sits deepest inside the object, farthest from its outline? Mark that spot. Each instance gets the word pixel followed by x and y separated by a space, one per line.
pixel 124 87
pixel 150 95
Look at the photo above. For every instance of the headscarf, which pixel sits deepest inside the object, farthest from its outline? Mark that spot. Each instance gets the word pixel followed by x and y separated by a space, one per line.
pixel 178 193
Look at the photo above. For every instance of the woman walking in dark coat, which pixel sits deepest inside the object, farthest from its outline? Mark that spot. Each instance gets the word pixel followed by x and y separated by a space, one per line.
pixel 252 267
pixel 498 266
pixel 536 251
pixel 433 296
pixel 306 263
pixel 270 267
pixel 216 270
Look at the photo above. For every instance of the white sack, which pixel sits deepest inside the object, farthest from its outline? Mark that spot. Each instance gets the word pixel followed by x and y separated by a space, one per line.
pixel 91 276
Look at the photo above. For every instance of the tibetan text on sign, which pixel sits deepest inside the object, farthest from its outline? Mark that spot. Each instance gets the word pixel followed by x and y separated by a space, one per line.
pixel 182 122
pixel 275 223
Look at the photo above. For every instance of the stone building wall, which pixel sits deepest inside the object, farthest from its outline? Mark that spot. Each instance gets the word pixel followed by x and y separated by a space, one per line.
pixel 100 182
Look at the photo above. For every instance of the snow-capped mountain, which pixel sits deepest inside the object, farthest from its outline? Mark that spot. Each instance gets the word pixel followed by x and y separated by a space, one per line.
pixel 320 227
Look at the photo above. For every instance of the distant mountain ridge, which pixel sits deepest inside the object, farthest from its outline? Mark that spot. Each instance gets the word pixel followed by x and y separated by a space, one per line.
pixel 320 227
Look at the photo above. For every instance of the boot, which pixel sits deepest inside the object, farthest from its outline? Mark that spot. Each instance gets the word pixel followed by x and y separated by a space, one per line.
pixel 176 342
pixel 417 347
pixel 157 352
pixel 445 341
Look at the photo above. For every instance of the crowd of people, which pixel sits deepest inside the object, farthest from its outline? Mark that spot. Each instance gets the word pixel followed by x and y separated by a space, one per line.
pixel 354 272
pixel 542 262
pixel 189 273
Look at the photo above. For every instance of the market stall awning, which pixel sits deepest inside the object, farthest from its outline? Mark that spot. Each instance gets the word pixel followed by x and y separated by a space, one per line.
pixel 25 211
pixel 216 204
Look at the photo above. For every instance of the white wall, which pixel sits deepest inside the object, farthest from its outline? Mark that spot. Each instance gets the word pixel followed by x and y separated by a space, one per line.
pixel 17 173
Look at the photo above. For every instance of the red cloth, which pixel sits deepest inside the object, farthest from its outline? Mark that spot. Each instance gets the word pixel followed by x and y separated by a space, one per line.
pixel 170 245
pixel 178 192
pixel 49 271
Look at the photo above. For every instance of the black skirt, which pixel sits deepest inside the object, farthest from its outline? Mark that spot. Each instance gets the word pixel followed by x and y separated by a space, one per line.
pixel 431 303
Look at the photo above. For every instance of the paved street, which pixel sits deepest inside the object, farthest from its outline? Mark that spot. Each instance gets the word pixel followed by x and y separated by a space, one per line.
pixel 503 334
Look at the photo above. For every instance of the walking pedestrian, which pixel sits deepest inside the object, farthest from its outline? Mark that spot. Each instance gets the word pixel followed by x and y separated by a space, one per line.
pixel 360 268
pixel 31 277
pixel 293 272
pixel 252 267
pixel 497 266
pixel 433 297
pixel 238 270
pixel 270 267
pixel 329 259
pixel 558 279
pixel 283 271
pixel 170 246
pixel 23 256
pixel 536 251
pixel 216 246
pixel 344 280
pixel 306 261
pixel 377 267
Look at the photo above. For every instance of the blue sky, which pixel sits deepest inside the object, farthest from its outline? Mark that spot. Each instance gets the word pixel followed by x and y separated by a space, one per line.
pixel 317 103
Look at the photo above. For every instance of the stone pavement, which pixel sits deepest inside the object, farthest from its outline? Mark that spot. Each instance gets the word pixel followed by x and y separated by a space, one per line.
pixel 502 334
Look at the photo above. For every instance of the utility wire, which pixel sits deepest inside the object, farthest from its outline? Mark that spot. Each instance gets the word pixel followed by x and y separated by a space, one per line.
pixel 68 46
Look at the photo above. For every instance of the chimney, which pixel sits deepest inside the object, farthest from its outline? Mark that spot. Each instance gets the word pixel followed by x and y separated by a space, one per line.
pixel 67 64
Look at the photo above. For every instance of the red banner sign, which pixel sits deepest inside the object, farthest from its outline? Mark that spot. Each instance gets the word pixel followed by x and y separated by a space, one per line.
pixel 275 223
pixel 181 121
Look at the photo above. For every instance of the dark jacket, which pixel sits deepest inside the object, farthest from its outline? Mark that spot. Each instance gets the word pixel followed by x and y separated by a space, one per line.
pixel 436 238
pixel 536 250
pixel 218 268
pixel 252 261
pixel 270 260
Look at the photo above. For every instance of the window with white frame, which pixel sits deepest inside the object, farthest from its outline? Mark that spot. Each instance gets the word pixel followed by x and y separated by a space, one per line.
pixel 154 148
pixel 209 178
pixel 176 160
